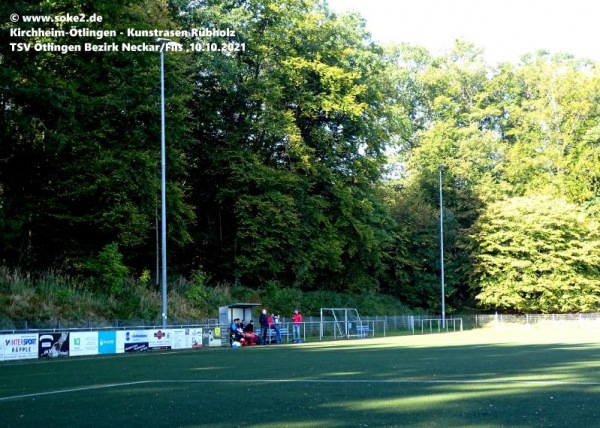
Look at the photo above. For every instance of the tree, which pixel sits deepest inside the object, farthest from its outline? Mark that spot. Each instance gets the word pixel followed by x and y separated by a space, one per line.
pixel 292 138
pixel 509 131
pixel 549 115
pixel 536 254
pixel 81 137
pixel 451 110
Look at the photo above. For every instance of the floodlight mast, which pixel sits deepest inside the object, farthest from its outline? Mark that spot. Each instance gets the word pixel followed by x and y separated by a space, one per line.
pixel 440 169
pixel 165 45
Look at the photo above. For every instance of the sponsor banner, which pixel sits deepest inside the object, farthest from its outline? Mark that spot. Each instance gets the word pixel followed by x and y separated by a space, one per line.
pixel 18 346
pixel 212 336
pixel 53 345
pixel 160 339
pixel 196 335
pixel 224 336
pixel 83 343
pixel 133 340
pixel 181 338
pixel 135 347
pixel 137 335
pixel 107 342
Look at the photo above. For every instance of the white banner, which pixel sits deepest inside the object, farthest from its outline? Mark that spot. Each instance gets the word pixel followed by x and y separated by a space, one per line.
pixel 18 346
pixel 181 338
pixel 133 340
pixel 160 339
pixel 83 343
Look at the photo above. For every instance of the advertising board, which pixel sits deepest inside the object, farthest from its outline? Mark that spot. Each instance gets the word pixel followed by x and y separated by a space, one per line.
pixel 19 346
pixel 53 345
pixel 107 342
pixel 83 343
pixel 159 339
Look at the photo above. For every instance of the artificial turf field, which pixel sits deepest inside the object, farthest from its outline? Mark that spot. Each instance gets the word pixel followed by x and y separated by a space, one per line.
pixel 542 377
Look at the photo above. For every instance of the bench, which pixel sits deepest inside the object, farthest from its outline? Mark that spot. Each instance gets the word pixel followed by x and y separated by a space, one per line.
pixel 283 332
pixel 363 330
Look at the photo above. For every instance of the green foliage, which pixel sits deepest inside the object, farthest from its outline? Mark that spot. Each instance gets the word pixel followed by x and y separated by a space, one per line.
pixel 536 254
pixel 107 269
pixel 243 294
pixel 198 292
pixel 81 135
pixel 42 298
pixel 366 303
pixel 277 156
pixel 293 148
pixel 51 296
pixel 510 131
pixel 146 277
pixel 204 298
pixel 281 300
pixel 41 301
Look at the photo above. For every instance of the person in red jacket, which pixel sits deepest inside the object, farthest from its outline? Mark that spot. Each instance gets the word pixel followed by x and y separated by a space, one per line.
pixel 296 321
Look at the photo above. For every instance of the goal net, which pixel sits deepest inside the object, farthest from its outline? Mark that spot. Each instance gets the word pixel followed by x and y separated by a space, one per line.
pixel 341 323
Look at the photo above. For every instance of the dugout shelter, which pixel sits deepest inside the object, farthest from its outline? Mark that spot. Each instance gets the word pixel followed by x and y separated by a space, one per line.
pixel 230 312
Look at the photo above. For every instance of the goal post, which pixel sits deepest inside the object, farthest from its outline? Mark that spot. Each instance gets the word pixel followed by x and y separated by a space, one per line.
pixel 340 323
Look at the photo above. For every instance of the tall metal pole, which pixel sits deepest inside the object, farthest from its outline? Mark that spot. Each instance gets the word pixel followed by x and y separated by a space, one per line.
pixel 156 226
pixel 167 45
pixel 163 183
pixel 441 167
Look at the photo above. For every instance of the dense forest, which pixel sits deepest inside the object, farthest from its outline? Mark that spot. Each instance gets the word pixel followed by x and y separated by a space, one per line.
pixel 301 155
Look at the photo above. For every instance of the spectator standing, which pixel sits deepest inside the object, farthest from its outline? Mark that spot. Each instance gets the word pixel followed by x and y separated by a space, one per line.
pixel 275 326
pixel 271 327
pixel 264 326
pixel 296 321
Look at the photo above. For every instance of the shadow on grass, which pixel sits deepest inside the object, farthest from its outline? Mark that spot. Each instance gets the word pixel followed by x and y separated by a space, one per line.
pixel 442 380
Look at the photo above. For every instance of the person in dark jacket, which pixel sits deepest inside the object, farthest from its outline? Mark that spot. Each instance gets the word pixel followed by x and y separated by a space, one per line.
pixel 249 328
pixel 264 325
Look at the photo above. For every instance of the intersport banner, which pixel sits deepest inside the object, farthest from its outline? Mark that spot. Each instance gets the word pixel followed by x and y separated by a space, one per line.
pixel 18 346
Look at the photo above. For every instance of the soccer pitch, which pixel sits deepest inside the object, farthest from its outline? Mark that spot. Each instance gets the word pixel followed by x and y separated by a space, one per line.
pixel 515 377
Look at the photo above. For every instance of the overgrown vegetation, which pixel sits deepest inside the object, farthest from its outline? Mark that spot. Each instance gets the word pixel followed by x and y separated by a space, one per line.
pixel 49 298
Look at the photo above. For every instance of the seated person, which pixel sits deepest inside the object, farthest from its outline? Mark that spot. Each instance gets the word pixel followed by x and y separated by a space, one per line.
pixel 249 328
pixel 236 333
pixel 249 334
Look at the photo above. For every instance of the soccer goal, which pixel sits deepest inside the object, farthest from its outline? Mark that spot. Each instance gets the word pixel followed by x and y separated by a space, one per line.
pixel 341 323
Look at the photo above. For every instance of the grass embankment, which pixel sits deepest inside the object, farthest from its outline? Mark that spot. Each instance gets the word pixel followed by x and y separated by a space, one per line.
pixel 43 299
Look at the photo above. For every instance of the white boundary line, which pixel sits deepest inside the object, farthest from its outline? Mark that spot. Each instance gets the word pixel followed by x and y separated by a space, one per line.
pixel 323 381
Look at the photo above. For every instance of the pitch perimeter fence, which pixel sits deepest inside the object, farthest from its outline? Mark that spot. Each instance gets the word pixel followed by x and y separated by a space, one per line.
pixel 315 328
pixel 64 339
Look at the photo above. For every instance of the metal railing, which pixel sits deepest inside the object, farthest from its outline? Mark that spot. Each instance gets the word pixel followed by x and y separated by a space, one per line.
pixel 440 325
pixel 313 328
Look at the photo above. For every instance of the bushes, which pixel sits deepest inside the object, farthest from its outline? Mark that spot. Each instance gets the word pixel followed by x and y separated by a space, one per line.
pixel 281 300
pixel 50 296
pixel 107 269
pixel 284 300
